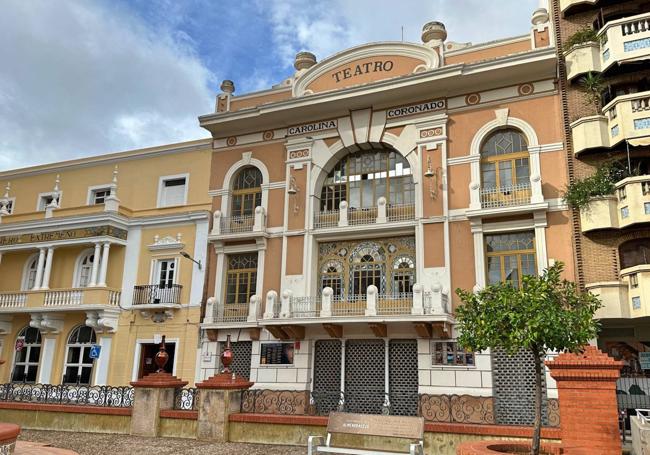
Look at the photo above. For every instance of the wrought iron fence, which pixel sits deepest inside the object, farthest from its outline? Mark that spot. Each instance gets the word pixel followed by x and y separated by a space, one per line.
pixel 102 396
pixel 186 399
pixel 152 294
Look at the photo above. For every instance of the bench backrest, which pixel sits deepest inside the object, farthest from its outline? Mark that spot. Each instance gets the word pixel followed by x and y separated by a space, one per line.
pixel 376 425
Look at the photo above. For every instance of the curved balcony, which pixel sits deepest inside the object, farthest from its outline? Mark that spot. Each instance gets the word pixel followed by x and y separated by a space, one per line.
pixel 613 295
pixel 637 279
pixel 582 59
pixel 625 40
pixel 626 118
pixel 630 207
pixel 600 213
pixel 570 6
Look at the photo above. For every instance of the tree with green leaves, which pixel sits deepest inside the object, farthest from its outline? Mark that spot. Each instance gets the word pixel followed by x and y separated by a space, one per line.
pixel 546 313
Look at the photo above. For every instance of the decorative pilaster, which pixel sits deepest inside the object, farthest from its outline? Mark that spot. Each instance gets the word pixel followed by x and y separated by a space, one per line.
pixel 95 270
pixel 39 269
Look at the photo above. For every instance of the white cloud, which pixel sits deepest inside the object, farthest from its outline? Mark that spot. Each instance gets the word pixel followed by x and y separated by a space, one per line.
pixel 328 27
pixel 78 78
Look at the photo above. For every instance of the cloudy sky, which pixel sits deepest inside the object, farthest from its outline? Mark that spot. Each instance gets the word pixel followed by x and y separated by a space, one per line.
pixel 85 77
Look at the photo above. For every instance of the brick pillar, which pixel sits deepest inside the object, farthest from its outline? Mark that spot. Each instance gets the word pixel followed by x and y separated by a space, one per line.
pixel 586 386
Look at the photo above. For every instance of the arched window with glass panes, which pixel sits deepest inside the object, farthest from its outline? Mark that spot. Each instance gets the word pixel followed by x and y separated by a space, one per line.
pixel 28 356
pixel 361 178
pixel 78 364
pixel 29 275
pixel 505 169
pixel 84 269
pixel 246 192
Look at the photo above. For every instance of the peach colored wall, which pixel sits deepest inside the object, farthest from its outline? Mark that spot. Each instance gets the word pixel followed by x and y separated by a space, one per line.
pixel 275 215
pixel 489 53
pixel 559 241
pixel 273 155
pixel 458 178
pixel 328 81
pixel 554 173
pixel 295 247
pixel 434 245
pixel 297 201
pixel 265 98
pixel 462 258
pixel 273 265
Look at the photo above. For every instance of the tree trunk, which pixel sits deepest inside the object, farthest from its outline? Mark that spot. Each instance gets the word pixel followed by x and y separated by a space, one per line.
pixel 538 401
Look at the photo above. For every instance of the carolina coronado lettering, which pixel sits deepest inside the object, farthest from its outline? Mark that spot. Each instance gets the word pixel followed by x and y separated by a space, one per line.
pixel 363 68
pixel 416 108
pixel 312 127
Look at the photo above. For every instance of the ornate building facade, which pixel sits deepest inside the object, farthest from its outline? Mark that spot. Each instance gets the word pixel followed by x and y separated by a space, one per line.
pixel 353 198
pixel 92 255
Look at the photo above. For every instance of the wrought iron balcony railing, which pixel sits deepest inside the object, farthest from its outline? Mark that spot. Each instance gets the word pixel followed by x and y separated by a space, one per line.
pixel 153 294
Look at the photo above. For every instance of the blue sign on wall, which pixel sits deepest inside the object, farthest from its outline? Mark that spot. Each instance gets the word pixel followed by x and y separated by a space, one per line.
pixel 95 350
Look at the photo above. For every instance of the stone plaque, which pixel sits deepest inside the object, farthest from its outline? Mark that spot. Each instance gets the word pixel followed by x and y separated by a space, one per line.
pixel 376 425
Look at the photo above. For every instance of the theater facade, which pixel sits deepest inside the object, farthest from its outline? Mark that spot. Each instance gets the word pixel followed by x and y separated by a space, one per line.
pixel 353 198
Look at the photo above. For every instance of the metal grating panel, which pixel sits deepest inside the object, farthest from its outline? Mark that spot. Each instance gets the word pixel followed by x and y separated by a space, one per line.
pixel 365 379
pixel 241 362
pixel 403 377
pixel 327 375
pixel 514 388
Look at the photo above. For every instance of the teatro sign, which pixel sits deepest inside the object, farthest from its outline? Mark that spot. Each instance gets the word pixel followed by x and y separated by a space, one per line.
pixel 412 109
pixel 363 68
pixel 72 234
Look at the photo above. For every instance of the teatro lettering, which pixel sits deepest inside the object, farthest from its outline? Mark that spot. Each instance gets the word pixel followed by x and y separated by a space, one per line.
pixel 416 108
pixel 312 127
pixel 363 68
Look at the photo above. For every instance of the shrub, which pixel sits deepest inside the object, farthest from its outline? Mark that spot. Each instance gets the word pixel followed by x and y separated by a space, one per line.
pixel 585 35
pixel 601 183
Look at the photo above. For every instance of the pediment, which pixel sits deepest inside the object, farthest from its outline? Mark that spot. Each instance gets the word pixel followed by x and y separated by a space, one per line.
pixel 366 64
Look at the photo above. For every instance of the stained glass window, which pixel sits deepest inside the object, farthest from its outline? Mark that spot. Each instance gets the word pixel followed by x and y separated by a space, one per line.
pixel 504 160
pixel 246 192
pixel 510 256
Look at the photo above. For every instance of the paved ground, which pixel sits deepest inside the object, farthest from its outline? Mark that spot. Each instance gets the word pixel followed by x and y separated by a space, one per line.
pixel 112 444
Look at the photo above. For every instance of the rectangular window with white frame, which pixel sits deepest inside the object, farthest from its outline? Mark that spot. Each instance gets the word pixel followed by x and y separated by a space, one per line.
pixel 97 194
pixel 45 199
pixel 172 190
pixel 164 279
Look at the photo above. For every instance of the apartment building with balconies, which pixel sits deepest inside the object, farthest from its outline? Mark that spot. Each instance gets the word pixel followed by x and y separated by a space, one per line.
pixel 352 199
pixel 604 66
pixel 93 254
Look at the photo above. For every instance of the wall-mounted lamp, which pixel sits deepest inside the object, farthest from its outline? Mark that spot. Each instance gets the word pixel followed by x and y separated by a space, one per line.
pixel 292 191
pixel 187 256
pixel 432 176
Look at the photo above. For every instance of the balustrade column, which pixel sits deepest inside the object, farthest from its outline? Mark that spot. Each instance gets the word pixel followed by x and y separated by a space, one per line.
pixel 104 265
pixel 343 213
pixel 418 301
pixel 271 297
pixel 95 269
pixel 381 210
pixel 371 300
pixel 252 308
pixel 39 269
pixel 326 303
pixel 285 308
pixel 48 268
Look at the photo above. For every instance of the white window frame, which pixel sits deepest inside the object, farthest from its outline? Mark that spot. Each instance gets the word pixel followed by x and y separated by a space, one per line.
pixel 153 276
pixel 27 362
pixel 76 278
pixel 12 200
pixel 25 280
pixel 90 199
pixel 46 194
pixel 161 188
pixel 80 365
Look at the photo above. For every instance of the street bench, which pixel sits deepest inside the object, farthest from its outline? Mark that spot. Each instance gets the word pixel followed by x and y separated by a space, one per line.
pixel 407 428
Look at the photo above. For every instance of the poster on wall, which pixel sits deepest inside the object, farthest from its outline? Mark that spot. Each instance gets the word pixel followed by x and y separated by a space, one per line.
pixel 644 360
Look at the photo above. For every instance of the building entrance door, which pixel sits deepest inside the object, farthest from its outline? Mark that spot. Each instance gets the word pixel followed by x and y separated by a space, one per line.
pixel 327 375
pixel 403 377
pixel 147 358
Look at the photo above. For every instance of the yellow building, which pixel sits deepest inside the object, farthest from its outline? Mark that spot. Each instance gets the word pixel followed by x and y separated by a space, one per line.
pixel 106 251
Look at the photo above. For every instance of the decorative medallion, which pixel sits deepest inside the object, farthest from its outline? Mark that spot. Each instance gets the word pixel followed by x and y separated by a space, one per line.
pixel 472 99
pixel 296 154
pixel 431 132
pixel 526 89
pixel 232 140
pixel 267 135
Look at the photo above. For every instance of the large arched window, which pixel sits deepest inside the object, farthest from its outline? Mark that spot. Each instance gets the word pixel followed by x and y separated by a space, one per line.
pixel 28 356
pixel 331 275
pixel 634 252
pixel 78 364
pixel 403 275
pixel 84 269
pixel 363 177
pixel 246 192
pixel 29 274
pixel 504 161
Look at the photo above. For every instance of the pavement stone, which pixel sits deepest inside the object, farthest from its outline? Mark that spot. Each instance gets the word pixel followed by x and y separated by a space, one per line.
pixel 114 444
